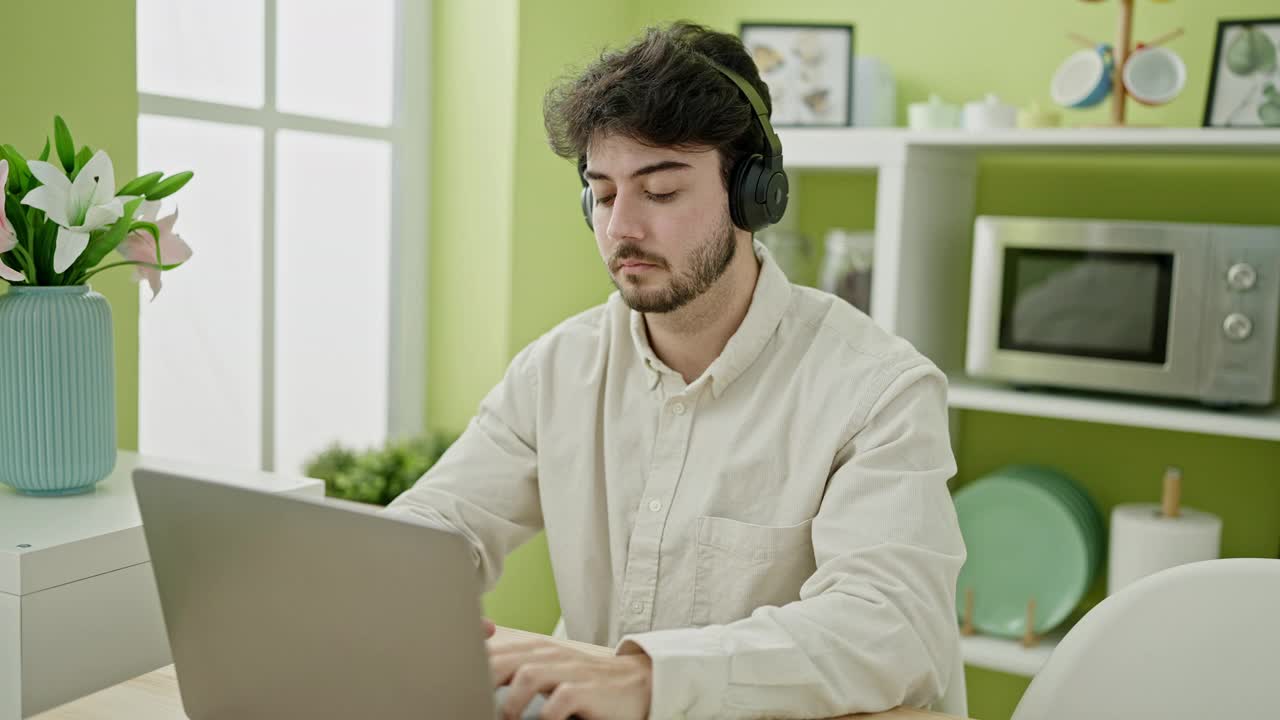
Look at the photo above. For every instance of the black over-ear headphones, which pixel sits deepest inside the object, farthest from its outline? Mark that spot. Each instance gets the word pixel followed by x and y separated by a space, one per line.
pixel 757 185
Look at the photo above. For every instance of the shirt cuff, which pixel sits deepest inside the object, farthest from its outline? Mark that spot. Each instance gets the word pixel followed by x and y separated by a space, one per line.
pixel 690 671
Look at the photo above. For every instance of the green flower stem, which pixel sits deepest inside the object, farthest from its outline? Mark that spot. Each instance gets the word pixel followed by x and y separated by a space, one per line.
pixel 100 268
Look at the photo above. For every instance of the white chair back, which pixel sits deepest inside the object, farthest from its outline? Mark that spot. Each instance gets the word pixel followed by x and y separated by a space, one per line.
pixel 1196 641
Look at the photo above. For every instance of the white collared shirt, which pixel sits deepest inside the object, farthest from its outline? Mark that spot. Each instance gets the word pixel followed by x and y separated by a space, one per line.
pixel 777 535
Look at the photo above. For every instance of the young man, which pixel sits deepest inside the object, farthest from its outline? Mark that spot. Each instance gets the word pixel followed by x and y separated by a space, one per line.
pixel 742 481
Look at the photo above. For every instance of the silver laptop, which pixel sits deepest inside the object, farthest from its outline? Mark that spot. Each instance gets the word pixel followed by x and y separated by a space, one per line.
pixel 288 607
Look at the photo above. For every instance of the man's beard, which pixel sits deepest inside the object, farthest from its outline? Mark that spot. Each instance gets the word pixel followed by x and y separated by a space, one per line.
pixel 707 264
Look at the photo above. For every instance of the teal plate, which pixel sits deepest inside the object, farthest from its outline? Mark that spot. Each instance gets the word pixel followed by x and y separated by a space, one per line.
pixel 1075 496
pixel 1024 541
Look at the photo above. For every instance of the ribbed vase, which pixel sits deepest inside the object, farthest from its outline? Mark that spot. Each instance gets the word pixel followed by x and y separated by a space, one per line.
pixel 57 392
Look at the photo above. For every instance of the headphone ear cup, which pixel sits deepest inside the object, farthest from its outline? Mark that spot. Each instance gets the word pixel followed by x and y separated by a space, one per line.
pixel 588 204
pixel 776 190
pixel 739 197
pixel 746 211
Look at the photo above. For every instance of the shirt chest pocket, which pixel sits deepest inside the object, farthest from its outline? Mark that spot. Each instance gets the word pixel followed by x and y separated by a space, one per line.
pixel 741 566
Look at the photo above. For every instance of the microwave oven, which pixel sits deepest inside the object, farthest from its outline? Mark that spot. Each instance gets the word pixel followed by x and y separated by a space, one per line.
pixel 1170 310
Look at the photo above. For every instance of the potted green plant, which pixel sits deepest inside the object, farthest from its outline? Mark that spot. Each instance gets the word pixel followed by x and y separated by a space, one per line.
pixel 61 220
pixel 377 475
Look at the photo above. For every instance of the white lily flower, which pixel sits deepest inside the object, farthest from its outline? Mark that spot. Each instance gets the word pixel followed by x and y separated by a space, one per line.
pixel 78 208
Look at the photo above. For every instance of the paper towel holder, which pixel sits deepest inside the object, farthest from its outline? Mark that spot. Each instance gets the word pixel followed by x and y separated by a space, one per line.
pixel 1029 637
pixel 1171 497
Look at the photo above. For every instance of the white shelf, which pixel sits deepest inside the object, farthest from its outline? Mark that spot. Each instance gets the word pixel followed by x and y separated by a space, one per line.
pixel 926 199
pixel 1003 655
pixel 871 148
pixel 970 394
pixel 840 148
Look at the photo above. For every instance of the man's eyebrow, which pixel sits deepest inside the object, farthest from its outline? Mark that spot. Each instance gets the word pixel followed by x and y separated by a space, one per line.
pixel 646 170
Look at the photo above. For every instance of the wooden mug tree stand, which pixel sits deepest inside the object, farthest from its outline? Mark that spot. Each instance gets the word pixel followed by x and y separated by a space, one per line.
pixel 1123 49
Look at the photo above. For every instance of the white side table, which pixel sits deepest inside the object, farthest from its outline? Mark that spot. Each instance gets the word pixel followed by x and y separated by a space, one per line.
pixel 78 604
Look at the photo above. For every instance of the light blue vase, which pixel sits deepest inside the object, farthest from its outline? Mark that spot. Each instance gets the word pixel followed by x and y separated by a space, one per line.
pixel 57 392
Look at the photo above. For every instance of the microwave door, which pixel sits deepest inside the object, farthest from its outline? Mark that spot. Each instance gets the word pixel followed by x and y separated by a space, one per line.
pixel 1087 304
pixel 1094 319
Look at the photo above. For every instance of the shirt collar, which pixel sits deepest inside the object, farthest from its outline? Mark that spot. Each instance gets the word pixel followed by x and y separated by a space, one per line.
pixel 653 367
pixel 769 303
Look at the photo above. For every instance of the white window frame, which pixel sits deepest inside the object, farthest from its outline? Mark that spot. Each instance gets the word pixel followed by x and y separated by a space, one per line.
pixel 408 136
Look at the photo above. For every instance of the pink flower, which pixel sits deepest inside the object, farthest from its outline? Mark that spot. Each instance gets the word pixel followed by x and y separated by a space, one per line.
pixel 140 246
pixel 8 239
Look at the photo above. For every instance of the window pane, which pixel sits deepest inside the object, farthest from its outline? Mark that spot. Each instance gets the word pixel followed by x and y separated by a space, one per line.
pixel 202 50
pixel 333 234
pixel 200 358
pixel 336 59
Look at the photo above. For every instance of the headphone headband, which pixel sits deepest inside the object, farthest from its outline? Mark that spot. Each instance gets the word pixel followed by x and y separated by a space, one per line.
pixel 762 113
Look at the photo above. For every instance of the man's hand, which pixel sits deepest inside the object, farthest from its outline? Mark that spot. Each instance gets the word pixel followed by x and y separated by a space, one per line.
pixel 489 627
pixel 576 683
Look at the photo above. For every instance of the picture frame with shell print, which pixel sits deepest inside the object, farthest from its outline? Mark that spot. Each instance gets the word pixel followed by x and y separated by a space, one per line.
pixel 1244 87
pixel 808 68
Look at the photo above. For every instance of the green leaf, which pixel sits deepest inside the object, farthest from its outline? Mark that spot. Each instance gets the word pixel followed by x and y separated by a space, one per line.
pixel 45 238
pixel 21 174
pixel 101 243
pixel 14 211
pixel 140 185
pixel 154 231
pixel 44 154
pixel 330 463
pixel 66 148
pixel 169 185
pixel 82 158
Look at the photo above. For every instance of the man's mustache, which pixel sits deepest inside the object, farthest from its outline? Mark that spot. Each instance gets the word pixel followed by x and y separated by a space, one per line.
pixel 631 252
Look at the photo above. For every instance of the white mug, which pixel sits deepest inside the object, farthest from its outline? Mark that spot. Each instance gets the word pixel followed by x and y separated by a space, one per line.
pixel 1154 75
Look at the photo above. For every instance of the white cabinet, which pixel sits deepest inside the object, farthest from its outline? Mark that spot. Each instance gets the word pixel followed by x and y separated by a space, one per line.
pixel 78 604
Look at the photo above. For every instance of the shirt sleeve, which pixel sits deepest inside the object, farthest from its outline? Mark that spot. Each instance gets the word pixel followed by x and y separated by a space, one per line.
pixel 485 486
pixel 875 624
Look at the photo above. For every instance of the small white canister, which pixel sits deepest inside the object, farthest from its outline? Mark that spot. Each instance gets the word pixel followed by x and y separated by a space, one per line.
pixel 989 114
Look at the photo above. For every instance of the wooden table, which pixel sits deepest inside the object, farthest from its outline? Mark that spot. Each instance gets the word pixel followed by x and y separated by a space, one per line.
pixel 154 696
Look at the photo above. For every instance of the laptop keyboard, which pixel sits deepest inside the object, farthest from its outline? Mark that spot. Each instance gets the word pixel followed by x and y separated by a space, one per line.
pixel 531 711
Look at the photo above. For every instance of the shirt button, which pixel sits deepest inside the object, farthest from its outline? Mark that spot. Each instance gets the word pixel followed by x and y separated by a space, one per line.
pixel 655 505
pixel 637 607
pixel 678 408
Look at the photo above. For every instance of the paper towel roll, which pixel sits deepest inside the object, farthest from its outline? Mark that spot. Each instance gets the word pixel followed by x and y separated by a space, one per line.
pixel 1144 541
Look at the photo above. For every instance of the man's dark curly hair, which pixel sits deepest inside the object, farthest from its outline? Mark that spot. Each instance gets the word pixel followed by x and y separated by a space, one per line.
pixel 661 91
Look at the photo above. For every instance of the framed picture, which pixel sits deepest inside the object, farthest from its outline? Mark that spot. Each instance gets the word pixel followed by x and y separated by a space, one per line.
pixel 1244 89
pixel 808 68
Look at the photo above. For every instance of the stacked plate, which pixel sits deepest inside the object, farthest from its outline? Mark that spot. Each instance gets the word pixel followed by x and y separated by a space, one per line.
pixel 1031 532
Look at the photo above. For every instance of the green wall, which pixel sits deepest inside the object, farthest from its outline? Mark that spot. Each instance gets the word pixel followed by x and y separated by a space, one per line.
pixel 510 257
pixel 961 51
pixel 76 58
pixel 473 148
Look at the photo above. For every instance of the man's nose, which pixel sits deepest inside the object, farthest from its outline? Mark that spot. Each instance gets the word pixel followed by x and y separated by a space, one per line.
pixel 625 218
